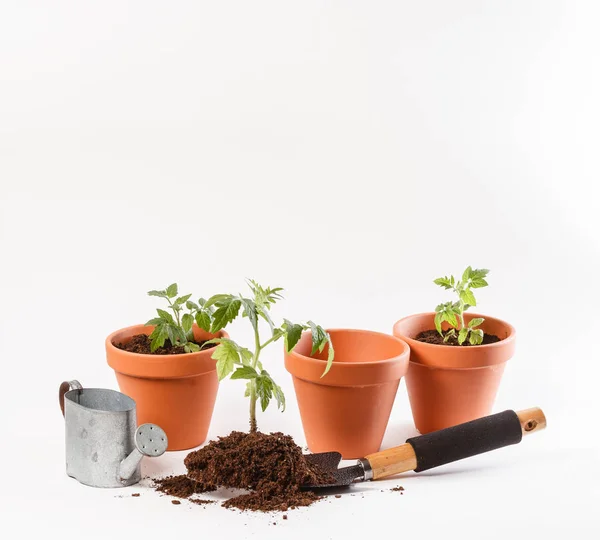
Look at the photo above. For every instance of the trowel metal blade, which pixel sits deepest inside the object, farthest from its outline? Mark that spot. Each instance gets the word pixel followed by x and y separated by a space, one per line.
pixel 329 461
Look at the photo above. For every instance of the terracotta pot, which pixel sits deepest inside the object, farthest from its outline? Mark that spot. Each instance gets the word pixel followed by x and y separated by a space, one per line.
pixel 348 409
pixel 176 391
pixel 449 385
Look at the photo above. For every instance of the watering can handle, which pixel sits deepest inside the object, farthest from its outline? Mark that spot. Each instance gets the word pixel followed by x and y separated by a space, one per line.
pixel 63 389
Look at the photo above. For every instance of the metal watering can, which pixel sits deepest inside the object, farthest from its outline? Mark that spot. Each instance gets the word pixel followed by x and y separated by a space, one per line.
pixel 104 446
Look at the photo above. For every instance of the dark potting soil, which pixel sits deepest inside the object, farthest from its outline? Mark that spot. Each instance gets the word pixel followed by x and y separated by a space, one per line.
pixel 271 467
pixel 140 344
pixel 397 488
pixel 433 337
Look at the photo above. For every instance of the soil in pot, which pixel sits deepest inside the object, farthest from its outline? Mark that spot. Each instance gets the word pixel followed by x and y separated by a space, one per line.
pixel 433 337
pixel 140 344
pixel 271 467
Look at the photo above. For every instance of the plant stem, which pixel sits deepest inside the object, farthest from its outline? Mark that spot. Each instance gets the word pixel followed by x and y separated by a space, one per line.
pixel 271 340
pixel 253 398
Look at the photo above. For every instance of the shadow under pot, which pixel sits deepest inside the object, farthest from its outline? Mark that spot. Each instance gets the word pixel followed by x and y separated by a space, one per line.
pixel 348 409
pixel 449 385
pixel 175 391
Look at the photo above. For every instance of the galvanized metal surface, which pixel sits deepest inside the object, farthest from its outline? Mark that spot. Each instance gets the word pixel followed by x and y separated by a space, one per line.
pixel 101 436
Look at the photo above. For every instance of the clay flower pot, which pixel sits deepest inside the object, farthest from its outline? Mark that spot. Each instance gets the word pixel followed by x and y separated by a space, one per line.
pixel 176 391
pixel 449 385
pixel 348 409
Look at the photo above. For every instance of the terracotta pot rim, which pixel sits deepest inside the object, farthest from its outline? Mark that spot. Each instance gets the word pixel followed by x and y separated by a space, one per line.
pixel 350 374
pixel 355 365
pixel 503 342
pixel 158 366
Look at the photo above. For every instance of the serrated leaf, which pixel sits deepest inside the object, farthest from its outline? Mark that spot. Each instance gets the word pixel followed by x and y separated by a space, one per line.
pixel 475 322
pixel 250 311
pixel 155 321
pixel 244 372
pixel 215 298
pixel 248 391
pixel 227 356
pixel 479 273
pixel 468 298
pixel 191 347
pixel 192 306
pixel 203 320
pixel 245 355
pixel 279 397
pixel 161 294
pixel 186 322
pixel 477 283
pixel 264 389
pixel 158 337
pixel 318 336
pixel 182 299
pixel 172 290
pixel 476 337
pixel 450 317
pixel 227 310
pixel 165 316
pixel 450 333
pixel 438 321
pixel 466 274
pixel 462 335
pixel 293 332
pixel 444 282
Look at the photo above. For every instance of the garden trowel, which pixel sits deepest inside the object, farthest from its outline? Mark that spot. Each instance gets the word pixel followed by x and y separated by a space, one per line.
pixel 433 449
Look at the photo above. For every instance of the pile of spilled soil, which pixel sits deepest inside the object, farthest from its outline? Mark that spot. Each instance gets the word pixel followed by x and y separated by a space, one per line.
pixel 140 344
pixel 271 467
pixel 433 337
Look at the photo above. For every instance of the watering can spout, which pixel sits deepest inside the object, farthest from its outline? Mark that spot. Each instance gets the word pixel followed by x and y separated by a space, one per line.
pixel 151 441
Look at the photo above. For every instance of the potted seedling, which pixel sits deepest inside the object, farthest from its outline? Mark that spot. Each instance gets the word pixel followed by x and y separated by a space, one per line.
pixel 166 367
pixel 271 466
pixel 457 358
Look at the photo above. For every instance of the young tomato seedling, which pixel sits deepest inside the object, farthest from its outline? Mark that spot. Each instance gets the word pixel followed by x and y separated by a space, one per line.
pixel 177 328
pixel 242 363
pixel 453 312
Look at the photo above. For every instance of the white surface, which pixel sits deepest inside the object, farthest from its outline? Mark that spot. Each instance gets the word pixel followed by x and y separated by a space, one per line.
pixel 348 151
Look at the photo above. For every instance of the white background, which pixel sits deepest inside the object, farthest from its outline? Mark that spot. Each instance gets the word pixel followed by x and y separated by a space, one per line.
pixel 347 151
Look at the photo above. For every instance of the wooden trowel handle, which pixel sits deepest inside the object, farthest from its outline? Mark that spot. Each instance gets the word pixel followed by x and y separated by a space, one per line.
pixel 457 442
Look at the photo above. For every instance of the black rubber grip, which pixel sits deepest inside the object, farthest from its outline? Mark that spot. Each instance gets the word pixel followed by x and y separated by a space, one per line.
pixel 466 440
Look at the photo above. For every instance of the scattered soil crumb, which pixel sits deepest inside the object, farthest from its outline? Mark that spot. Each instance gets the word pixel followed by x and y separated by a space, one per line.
pixel 135 494
pixel 284 516
pixel 140 344
pixel 397 488
pixel 271 467
pixel 202 501
pixel 433 337
pixel 175 501
pixel 338 496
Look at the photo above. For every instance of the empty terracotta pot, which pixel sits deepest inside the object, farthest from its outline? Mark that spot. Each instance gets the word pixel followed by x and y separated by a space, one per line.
pixel 449 385
pixel 176 391
pixel 348 409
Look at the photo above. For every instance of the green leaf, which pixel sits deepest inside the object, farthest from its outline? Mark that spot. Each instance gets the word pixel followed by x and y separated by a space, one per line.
pixel 158 337
pixel 447 283
pixel 191 347
pixel 182 299
pixel 319 337
pixel 244 372
pixel 438 321
pixel 246 355
pixel 466 274
pixel 214 299
pixel 467 297
pixel 264 297
pixel 462 335
pixel 265 315
pixel 450 333
pixel 479 273
pixel 154 322
pixel 165 316
pixel 227 310
pixel 172 290
pixel 478 283
pixel 227 356
pixel 330 357
pixel 248 388
pixel 250 311
pixel 293 332
pixel 161 294
pixel 450 317
pixel 264 389
pixel 186 322
pixel 475 322
pixel 192 306
pixel 203 320
pixel 279 396
pixel 476 337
